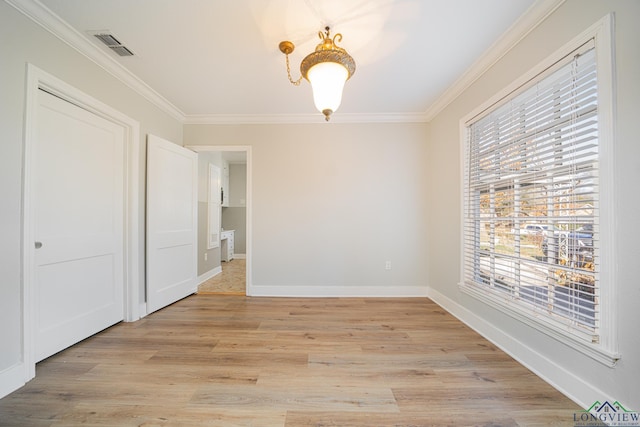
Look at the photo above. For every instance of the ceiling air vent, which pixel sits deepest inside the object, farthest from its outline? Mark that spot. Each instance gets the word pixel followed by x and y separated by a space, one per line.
pixel 113 44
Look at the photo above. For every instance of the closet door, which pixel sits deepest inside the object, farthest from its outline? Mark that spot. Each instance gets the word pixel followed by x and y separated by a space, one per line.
pixel 78 223
pixel 172 226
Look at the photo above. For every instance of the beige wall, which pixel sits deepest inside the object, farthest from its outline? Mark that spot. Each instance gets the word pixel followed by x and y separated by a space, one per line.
pixel 236 219
pixel 577 375
pixel 331 204
pixel 24 42
pixel 237 185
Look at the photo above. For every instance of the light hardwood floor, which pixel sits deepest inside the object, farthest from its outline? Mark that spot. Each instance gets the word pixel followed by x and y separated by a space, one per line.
pixel 212 360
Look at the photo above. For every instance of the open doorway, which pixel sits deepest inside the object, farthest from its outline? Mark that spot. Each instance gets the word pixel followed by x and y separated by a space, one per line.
pixel 224 225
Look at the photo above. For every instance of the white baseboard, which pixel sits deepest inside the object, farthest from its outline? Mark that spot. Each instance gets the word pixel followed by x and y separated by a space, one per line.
pixel 209 274
pixel 12 379
pixel 142 310
pixel 575 388
pixel 337 291
pixel 240 256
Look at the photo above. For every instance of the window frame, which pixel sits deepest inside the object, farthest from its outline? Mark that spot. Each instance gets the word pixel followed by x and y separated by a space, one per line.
pixel 606 349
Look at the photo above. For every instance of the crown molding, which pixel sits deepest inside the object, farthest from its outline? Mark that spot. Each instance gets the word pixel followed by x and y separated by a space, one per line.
pixel 238 119
pixel 44 17
pixel 51 22
pixel 534 16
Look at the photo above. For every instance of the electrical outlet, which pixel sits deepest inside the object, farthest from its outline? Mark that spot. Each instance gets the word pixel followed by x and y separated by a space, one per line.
pixel 387 265
pixel 205 256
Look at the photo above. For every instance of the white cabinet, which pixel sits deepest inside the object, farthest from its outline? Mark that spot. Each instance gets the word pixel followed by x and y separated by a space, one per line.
pixel 225 184
pixel 226 242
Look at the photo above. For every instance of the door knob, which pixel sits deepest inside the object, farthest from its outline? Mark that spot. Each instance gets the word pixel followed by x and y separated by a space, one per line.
pixel 38 245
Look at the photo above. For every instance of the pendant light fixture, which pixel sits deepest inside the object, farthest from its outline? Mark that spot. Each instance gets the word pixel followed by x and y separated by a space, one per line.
pixel 327 69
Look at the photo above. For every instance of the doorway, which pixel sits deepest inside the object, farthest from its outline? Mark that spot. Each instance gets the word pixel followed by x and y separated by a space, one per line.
pixel 224 265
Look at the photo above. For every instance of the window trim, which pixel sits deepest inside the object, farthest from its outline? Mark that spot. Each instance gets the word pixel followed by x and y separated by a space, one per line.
pixel 606 350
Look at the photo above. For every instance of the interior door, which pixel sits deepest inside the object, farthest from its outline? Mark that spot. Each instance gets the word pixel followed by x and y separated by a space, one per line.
pixel 172 226
pixel 78 222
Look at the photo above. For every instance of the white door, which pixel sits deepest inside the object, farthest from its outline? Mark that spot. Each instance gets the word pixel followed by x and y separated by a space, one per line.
pixel 172 226
pixel 78 223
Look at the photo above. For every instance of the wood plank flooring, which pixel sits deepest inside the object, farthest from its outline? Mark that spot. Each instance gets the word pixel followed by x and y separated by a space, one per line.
pixel 212 360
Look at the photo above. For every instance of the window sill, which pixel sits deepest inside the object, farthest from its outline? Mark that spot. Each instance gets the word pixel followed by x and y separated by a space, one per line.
pixel 549 327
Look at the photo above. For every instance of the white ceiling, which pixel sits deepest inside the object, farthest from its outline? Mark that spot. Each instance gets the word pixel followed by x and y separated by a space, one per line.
pixel 214 60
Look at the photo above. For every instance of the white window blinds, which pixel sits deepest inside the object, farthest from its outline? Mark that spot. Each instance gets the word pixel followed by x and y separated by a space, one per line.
pixel 531 197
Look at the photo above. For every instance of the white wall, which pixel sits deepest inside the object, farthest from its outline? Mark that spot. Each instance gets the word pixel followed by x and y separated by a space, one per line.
pixel 332 203
pixel 24 42
pixel 580 377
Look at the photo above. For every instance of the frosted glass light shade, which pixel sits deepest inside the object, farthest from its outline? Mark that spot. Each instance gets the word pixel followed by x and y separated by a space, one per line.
pixel 327 69
pixel 327 81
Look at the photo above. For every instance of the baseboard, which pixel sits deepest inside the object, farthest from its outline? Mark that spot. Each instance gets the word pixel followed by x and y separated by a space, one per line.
pixel 209 274
pixel 240 256
pixel 142 310
pixel 575 388
pixel 337 291
pixel 11 379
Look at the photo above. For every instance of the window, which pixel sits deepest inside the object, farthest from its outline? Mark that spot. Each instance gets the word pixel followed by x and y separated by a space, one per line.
pixel 532 206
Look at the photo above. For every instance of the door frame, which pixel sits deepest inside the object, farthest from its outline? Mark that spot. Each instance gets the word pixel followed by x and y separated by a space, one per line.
pixel 38 79
pixel 249 206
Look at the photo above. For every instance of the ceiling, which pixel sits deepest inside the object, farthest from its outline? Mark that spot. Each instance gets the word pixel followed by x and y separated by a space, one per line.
pixel 218 60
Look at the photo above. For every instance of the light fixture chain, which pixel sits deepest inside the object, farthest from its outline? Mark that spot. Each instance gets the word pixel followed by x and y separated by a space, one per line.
pixel 294 82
